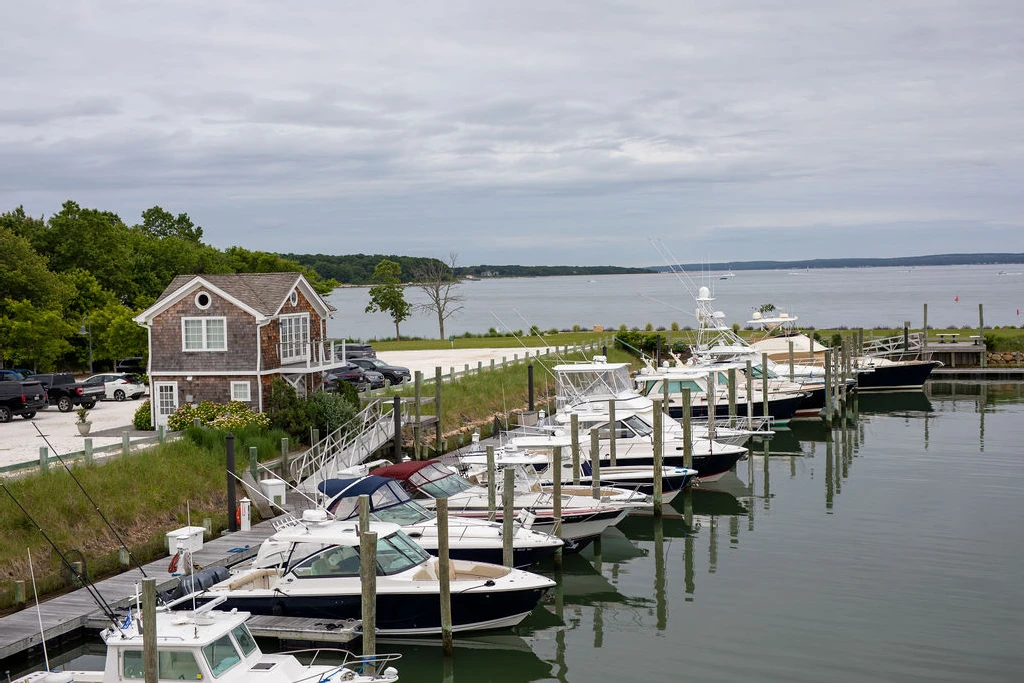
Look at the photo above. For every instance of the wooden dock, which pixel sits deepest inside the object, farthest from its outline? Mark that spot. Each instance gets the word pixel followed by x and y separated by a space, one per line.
pixel 69 615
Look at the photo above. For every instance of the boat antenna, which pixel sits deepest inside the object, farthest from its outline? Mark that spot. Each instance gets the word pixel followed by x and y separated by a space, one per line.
pixel 94 593
pixel 89 498
pixel 39 613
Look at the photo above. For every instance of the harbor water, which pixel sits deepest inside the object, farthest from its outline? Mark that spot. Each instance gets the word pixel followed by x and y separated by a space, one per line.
pixel 887 549
pixel 821 298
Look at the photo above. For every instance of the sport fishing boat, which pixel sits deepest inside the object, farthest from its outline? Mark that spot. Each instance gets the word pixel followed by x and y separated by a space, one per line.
pixel 475 540
pixel 207 644
pixel 583 517
pixel 319 578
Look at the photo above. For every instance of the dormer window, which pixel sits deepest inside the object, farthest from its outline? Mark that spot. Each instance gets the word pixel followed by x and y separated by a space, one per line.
pixel 203 300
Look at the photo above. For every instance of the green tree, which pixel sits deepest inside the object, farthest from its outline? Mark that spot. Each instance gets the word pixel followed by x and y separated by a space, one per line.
pixel 33 337
pixel 160 223
pixel 387 295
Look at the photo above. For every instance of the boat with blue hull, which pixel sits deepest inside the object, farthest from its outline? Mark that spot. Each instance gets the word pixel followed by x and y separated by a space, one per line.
pixel 320 579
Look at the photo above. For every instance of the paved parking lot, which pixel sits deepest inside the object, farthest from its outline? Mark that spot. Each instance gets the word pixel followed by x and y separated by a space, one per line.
pixel 20 440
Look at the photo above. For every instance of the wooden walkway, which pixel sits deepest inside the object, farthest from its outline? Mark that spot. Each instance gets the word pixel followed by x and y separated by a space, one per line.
pixel 65 615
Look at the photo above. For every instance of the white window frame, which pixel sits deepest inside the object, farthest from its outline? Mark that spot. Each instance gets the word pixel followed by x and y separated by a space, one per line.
pixel 205 339
pixel 240 385
pixel 294 349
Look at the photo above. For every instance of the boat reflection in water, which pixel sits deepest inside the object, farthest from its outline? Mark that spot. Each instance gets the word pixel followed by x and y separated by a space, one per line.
pixel 893 402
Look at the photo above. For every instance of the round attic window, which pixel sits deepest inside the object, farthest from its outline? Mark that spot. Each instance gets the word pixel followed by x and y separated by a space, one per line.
pixel 203 300
pixel 294 297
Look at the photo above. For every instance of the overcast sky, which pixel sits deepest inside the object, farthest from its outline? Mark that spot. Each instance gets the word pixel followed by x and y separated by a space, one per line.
pixel 528 132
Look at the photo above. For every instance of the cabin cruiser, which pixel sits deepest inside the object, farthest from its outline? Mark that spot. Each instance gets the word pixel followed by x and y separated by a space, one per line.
pixel 206 644
pixel 317 575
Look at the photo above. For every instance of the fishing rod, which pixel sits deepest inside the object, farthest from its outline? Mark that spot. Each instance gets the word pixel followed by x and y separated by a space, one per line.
pixel 94 593
pixel 94 505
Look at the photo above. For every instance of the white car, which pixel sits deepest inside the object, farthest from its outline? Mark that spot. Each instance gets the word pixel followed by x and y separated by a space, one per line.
pixel 119 385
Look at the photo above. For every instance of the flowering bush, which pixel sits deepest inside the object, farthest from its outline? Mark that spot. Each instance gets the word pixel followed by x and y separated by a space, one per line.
pixel 226 416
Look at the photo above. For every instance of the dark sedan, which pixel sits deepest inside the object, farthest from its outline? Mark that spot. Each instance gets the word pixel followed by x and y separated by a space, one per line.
pixel 395 374
pixel 353 374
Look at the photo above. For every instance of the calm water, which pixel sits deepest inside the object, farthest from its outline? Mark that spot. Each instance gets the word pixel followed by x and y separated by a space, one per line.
pixel 890 551
pixel 855 297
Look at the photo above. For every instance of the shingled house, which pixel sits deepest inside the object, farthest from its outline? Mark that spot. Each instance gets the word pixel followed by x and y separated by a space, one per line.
pixel 226 337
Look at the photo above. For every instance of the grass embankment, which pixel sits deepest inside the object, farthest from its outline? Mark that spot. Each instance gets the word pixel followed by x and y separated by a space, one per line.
pixel 142 497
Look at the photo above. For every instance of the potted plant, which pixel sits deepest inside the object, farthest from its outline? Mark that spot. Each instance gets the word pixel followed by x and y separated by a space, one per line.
pixel 83 421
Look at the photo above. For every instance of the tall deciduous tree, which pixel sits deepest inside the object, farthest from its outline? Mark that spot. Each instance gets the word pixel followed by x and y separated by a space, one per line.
pixel 160 223
pixel 387 294
pixel 437 281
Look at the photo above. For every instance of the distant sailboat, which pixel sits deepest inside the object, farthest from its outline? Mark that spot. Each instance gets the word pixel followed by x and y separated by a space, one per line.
pixel 726 276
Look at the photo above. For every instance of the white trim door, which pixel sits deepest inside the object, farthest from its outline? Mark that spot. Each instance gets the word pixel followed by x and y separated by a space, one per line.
pixel 165 401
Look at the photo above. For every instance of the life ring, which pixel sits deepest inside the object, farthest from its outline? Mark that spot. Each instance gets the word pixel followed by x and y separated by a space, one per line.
pixel 238 516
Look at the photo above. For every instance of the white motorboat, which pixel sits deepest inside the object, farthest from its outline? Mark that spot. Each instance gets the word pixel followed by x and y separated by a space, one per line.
pixel 476 540
pixel 583 517
pixel 320 578
pixel 209 644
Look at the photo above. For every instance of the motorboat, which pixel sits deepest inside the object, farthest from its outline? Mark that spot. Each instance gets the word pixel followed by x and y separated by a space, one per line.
pixel 206 644
pixel 585 391
pixel 319 578
pixel 583 518
pixel 531 458
pixel 476 540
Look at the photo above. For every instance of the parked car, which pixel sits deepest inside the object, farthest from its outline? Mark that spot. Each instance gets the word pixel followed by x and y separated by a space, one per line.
pixel 355 351
pixel 20 397
pixel 353 374
pixel 65 392
pixel 118 385
pixel 132 365
pixel 395 374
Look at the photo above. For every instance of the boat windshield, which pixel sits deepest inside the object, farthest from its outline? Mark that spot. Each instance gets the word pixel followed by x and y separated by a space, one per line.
pixel 652 387
pixel 757 372
pixel 171 664
pixel 578 384
pixel 638 426
pixel 221 655
pixel 244 639
pixel 388 495
pixel 409 512
pixel 397 553
pixel 437 482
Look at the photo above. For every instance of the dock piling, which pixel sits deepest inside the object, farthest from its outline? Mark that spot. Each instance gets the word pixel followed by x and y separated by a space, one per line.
pixel 443 573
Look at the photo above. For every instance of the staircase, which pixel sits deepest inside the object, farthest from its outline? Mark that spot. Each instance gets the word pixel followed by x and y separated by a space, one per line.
pixel 349 445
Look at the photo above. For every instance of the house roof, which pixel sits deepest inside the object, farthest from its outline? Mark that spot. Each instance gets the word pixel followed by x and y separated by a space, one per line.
pixel 263 294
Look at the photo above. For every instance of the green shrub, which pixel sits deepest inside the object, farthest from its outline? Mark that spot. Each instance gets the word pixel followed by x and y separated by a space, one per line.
pixel 143 419
pixel 227 416
pixel 329 411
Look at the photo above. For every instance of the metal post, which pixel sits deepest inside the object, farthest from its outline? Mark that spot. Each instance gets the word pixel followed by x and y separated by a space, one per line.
pixel 529 385
pixel 396 414
pixel 445 577
pixel 229 442
pixel 508 489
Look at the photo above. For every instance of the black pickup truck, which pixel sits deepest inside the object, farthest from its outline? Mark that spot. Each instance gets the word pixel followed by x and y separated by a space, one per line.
pixel 66 393
pixel 20 396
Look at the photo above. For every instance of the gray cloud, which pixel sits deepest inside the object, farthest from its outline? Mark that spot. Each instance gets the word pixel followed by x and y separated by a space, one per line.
pixel 557 133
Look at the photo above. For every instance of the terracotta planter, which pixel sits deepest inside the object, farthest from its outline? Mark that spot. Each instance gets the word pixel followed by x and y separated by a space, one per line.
pixel 83 427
